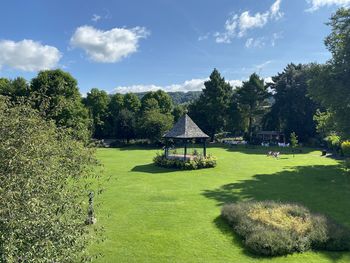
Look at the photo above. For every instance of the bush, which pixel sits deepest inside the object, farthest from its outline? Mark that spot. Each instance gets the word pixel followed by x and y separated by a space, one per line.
pixel 333 142
pixel 43 176
pixel 272 229
pixel 198 162
pixel 345 147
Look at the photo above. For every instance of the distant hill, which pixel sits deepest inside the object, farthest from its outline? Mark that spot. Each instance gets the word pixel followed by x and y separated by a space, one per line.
pixel 178 97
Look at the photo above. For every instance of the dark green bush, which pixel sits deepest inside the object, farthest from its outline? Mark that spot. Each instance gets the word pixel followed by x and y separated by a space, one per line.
pixel 272 229
pixel 199 162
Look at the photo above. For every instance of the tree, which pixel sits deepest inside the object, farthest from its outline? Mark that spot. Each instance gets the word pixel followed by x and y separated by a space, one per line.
pixel 153 124
pixel 292 109
pixel 251 98
pixel 55 94
pixel 210 111
pixel 325 125
pixel 126 125
pixel 116 104
pixel 157 100
pixel 43 173
pixel 293 141
pixel 97 101
pixel 132 102
pixel 15 89
pixel 179 111
pixel 330 83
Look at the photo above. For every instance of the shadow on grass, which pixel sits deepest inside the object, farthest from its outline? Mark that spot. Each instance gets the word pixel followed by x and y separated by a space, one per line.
pixel 152 169
pixel 226 230
pixel 323 189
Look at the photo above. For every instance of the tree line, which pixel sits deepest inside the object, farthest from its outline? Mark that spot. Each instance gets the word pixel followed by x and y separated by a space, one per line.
pixel 311 100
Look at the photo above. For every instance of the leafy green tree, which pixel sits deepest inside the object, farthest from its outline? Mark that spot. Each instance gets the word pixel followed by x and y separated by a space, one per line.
pixel 179 111
pixel 56 95
pixel 325 125
pixel 153 124
pixel 97 101
pixel 132 102
pixel 116 104
pixel 43 174
pixel 330 83
pixel 210 111
pixel 164 101
pixel 252 101
pixel 149 104
pixel 292 109
pixel 126 125
pixel 16 89
pixel 293 141
pixel 235 120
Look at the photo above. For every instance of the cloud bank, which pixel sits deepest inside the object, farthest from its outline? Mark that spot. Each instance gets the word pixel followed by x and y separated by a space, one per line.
pixel 188 85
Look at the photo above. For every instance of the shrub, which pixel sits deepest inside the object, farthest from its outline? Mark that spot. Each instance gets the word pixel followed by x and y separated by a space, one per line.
pixel 43 176
pixel 333 142
pixel 345 147
pixel 271 229
pixel 199 162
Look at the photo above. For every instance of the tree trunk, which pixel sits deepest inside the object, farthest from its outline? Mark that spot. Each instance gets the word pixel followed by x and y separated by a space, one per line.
pixel 250 128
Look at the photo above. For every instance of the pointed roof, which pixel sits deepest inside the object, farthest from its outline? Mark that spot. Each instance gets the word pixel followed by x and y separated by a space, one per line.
pixel 185 128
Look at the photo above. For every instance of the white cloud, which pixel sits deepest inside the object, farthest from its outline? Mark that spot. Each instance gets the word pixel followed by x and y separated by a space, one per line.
pixel 275 37
pixel 275 10
pixel 235 83
pixel 28 55
pixel 255 42
pixel 95 18
pixel 238 25
pixel 108 46
pixel 317 4
pixel 247 22
pixel 203 37
pixel 189 85
pixel 263 65
pixel 260 42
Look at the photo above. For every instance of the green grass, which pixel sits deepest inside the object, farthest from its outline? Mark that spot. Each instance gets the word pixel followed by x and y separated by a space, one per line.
pixel 153 214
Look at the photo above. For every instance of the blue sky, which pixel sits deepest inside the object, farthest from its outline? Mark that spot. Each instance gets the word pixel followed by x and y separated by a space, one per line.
pixel 170 44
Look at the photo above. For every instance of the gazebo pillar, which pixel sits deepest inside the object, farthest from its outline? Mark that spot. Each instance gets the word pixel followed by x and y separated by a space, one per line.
pixel 205 148
pixel 185 150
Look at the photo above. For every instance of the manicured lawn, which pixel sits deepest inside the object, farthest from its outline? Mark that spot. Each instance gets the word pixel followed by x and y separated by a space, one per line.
pixel 152 214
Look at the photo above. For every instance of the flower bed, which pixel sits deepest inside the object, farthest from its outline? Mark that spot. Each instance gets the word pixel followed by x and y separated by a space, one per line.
pixel 197 162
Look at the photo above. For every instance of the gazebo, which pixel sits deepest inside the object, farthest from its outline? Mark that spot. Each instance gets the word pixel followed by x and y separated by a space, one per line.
pixel 185 131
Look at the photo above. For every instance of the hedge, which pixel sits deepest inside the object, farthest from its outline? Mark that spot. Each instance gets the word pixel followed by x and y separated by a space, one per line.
pixel 199 162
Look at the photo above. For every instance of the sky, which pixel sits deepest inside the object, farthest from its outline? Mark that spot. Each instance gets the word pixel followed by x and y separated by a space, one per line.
pixel 174 45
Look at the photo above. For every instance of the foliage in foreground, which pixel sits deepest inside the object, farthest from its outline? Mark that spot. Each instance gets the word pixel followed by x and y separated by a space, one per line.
pixel 42 171
pixel 197 163
pixel 271 229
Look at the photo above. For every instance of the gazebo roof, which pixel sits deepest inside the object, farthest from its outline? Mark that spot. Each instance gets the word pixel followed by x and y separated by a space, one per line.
pixel 185 128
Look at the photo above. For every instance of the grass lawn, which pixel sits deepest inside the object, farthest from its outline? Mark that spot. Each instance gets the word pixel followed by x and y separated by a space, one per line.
pixel 152 214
